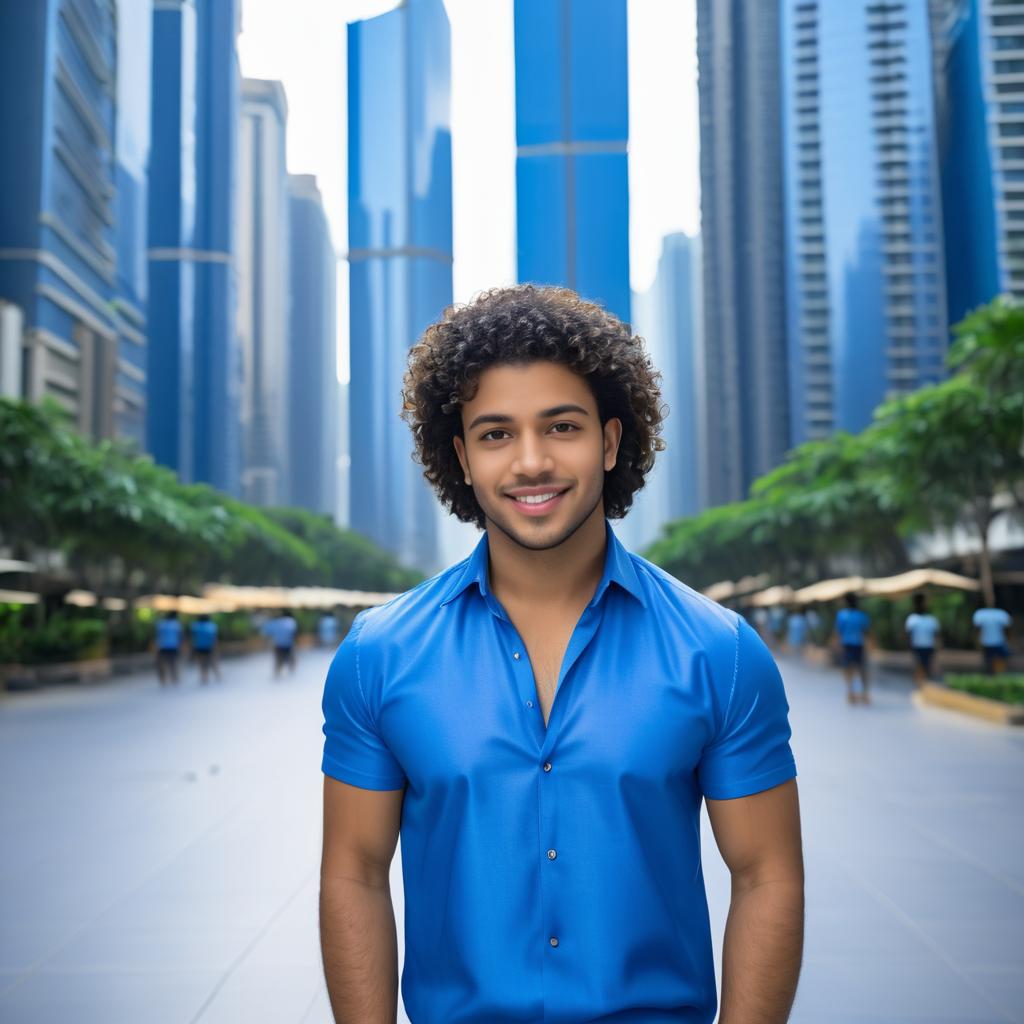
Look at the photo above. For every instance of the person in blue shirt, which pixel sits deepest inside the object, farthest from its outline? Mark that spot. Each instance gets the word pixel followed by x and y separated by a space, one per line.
pixel 204 646
pixel 282 629
pixel 991 624
pixel 327 630
pixel 542 721
pixel 168 646
pixel 796 630
pixel 923 628
pixel 852 627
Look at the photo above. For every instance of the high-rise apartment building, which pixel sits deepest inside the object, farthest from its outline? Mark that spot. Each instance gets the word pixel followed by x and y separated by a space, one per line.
pixel 312 352
pixel 400 259
pixel 263 284
pixel 979 74
pixel 745 379
pixel 864 258
pixel 74 123
pixel 194 382
pixel 572 131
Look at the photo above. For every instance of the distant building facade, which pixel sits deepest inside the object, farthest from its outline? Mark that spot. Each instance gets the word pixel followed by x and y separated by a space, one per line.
pixel 669 318
pixel 572 131
pixel 72 238
pixel 400 260
pixel 313 352
pixel 194 381
pixel 865 255
pixel 979 65
pixel 263 303
pixel 738 51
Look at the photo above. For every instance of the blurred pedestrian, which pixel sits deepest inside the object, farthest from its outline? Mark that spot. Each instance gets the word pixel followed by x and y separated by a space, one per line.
pixel 852 628
pixel 168 645
pixel 923 628
pixel 282 629
pixel 327 630
pixel 204 646
pixel 796 630
pixel 992 623
pixel 776 624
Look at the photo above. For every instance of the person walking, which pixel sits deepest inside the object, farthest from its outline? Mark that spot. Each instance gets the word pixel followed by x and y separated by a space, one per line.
pixel 796 630
pixel 327 630
pixel 992 624
pixel 168 646
pixel 204 643
pixel 923 628
pixel 543 720
pixel 282 629
pixel 852 628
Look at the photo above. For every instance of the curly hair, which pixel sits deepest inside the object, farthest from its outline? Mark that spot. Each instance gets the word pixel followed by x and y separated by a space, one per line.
pixel 516 326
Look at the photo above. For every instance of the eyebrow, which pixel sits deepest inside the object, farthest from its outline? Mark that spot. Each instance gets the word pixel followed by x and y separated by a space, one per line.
pixel 558 410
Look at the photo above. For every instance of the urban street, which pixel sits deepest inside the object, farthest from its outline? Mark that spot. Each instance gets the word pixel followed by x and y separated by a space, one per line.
pixel 161 853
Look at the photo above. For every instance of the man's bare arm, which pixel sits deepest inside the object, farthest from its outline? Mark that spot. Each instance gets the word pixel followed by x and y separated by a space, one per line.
pixel 358 937
pixel 759 838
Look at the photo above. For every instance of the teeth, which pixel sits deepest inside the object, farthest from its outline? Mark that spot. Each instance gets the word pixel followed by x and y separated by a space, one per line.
pixel 537 499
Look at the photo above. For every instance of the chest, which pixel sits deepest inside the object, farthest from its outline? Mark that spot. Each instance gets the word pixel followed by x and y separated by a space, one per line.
pixel 546 640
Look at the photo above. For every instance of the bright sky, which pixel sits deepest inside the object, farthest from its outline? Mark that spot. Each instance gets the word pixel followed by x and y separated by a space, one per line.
pixel 302 43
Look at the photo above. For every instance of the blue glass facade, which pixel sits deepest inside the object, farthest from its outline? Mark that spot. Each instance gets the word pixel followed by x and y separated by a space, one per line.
pixel 572 131
pixel 742 233
pixel 313 373
pixel 865 273
pixel 71 189
pixel 981 101
pixel 668 317
pixel 400 259
pixel 194 360
pixel 263 258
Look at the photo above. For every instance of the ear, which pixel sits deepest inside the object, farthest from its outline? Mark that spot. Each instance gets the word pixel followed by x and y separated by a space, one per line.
pixel 612 439
pixel 460 451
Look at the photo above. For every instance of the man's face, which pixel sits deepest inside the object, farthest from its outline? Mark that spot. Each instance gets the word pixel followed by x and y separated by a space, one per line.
pixel 536 427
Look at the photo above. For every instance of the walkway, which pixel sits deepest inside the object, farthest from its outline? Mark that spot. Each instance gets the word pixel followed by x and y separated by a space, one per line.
pixel 161 855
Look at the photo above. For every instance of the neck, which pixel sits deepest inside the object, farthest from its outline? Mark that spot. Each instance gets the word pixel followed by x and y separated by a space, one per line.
pixel 557 577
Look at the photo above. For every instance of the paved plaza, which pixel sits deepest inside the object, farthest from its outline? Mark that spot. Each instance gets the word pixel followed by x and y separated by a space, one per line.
pixel 160 854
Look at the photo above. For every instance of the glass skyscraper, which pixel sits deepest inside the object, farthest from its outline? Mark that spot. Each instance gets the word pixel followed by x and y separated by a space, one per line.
pixel 979 51
pixel 400 259
pixel 865 271
pixel 194 360
pixel 263 259
pixel 313 352
pixel 572 131
pixel 742 234
pixel 74 122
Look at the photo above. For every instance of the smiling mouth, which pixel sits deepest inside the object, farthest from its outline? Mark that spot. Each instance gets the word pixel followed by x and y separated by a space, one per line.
pixel 536 508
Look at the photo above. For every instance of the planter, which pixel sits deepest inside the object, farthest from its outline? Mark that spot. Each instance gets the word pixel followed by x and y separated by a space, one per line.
pixel 981 707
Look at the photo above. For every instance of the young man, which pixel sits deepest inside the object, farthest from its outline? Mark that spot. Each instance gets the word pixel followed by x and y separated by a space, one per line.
pixel 991 624
pixel 168 645
pixel 543 719
pixel 204 643
pixel 852 627
pixel 282 629
pixel 923 628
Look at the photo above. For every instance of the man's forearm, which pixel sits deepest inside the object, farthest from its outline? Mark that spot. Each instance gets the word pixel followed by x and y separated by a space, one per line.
pixel 359 943
pixel 764 936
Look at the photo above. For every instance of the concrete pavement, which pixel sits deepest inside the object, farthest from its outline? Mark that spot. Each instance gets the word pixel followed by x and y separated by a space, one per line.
pixel 160 854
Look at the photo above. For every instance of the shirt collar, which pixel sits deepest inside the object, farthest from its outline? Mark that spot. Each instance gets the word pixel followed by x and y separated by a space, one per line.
pixel 618 568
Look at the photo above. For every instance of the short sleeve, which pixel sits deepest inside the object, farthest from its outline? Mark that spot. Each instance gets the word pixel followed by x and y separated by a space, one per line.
pixel 751 750
pixel 353 749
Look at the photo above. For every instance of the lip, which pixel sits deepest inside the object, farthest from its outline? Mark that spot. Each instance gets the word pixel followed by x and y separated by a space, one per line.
pixel 537 510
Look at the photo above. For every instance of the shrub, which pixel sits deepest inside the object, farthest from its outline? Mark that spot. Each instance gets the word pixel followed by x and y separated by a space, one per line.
pixel 1008 688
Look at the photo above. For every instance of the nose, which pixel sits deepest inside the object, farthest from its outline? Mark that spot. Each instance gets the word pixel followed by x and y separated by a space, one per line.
pixel 531 457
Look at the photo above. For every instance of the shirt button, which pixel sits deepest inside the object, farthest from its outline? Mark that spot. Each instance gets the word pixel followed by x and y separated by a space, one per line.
pixel 553 940
pixel 529 703
pixel 515 654
pixel 547 766
pixel 552 855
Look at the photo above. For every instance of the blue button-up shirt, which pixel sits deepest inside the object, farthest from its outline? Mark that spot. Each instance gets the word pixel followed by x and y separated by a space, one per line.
pixel 553 874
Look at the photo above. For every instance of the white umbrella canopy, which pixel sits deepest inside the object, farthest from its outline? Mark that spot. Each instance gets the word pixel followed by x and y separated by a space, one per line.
pixel 772 596
pixel 829 590
pixel 917 579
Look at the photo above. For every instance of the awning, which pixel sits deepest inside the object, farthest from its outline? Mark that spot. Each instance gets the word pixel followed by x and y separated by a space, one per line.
pixel 917 579
pixel 772 596
pixel 829 590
